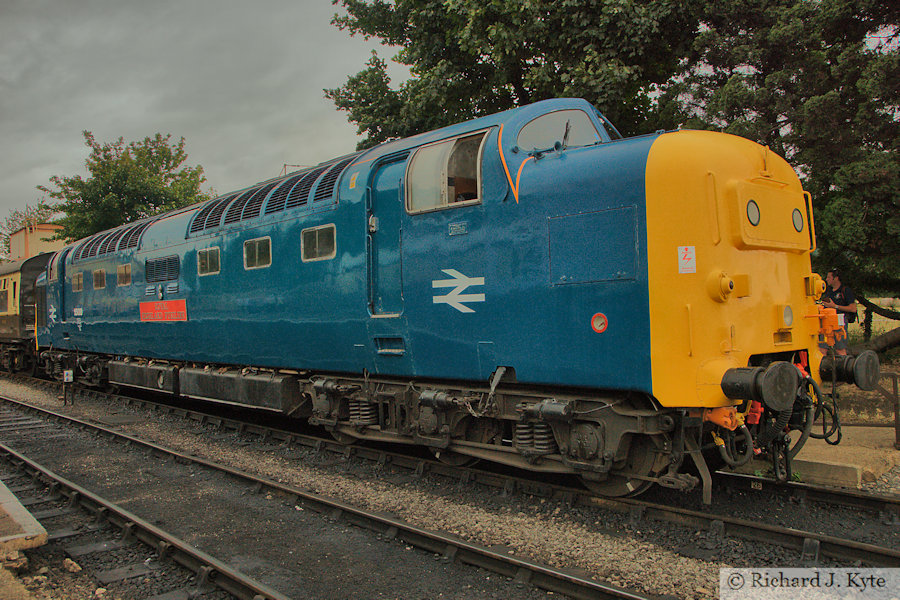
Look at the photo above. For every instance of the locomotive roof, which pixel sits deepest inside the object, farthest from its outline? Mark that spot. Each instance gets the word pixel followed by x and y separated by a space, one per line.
pixel 320 180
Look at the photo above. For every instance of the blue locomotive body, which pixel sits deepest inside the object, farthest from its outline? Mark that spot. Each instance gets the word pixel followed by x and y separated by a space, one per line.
pixel 448 292
pixel 527 288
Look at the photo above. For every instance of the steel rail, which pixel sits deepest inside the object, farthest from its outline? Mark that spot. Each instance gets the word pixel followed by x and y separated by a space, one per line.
pixel 885 505
pixel 805 542
pixel 208 569
pixel 520 569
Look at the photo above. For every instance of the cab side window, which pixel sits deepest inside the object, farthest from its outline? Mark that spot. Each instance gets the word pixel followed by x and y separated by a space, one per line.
pixel 445 174
pixel 568 127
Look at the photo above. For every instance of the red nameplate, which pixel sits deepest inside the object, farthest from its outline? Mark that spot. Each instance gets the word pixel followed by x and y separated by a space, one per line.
pixel 164 310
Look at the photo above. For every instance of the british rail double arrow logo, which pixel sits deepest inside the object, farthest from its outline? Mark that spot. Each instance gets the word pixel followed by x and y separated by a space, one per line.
pixel 459 283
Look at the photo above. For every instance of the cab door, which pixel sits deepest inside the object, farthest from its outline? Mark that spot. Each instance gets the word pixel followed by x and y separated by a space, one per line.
pixel 446 274
pixel 383 238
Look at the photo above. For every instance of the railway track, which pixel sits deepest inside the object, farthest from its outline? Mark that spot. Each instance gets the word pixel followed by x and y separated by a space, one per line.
pixel 809 545
pixel 97 530
pixel 522 571
pixel 885 506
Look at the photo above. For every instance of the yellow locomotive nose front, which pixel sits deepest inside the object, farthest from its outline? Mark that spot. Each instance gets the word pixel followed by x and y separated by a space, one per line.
pixel 729 232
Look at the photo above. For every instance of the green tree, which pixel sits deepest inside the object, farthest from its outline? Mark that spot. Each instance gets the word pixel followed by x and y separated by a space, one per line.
pixel 127 182
pixel 42 212
pixel 470 58
pixel 818 81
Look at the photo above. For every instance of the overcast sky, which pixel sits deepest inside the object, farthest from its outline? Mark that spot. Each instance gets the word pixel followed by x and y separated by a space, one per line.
pixel 240 81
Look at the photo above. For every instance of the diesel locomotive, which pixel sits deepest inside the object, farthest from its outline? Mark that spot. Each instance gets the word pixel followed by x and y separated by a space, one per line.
pixel 528 288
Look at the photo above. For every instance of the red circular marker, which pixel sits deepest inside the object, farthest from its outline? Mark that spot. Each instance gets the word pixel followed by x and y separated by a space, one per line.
pixel 599 322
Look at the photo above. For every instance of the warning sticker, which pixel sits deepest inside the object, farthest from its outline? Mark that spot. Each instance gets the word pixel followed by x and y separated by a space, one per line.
pixel 687 259
pixel 164 310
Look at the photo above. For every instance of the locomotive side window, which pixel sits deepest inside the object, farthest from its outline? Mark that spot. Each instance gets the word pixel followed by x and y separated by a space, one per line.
pixel 257 253
pixel 123 275
pixel 445 174
pixel 77 282
pixel 318 243
pixel 208 261
pixel 568 127
pixel 99 279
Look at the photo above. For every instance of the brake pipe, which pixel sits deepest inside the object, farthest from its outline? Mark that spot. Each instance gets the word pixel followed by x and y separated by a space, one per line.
pixel 726 456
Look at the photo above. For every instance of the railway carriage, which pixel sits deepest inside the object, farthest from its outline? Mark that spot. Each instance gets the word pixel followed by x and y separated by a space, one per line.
pixel 529 288
pixel 18 312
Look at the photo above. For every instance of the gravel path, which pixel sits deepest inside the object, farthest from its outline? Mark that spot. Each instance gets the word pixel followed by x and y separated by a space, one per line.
pixel 653 557
pixel 888 484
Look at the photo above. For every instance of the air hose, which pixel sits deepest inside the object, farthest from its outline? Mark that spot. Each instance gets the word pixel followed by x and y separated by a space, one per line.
pixel 807 422
pixel 832 410
pixel 748 451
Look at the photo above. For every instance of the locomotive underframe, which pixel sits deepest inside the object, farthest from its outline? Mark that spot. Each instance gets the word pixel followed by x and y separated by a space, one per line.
pixel 619 443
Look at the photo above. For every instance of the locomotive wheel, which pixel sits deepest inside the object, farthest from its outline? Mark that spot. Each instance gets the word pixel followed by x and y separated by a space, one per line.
pixel 342 438
pixel 642 460
pixel 454 459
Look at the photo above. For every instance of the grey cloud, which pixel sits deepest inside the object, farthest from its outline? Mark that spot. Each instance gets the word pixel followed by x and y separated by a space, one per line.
pixel 240 81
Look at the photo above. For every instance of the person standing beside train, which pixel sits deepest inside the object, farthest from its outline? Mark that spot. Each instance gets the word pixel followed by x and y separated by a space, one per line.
pixel 841 298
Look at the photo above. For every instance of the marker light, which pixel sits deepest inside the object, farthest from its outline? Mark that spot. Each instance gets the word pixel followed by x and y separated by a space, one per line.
pixel 798 220
pixel 753 213
pixel 787 316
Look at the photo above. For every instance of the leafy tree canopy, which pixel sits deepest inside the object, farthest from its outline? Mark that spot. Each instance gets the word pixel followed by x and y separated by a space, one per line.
pixel 470 58
pixel 42 212
pixel 127 182
pixel 818 81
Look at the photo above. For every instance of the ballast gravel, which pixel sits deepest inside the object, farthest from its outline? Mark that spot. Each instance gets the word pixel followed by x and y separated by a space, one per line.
pixel 654 558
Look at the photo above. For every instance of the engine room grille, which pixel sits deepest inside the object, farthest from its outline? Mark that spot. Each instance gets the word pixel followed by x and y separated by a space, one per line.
pixel 200 217
pixel 132 237
pixel 237 207
pixel 80 250
pixel 300 193
pixel 284 193
pixel 111 241
pixel 105 242
pixel 256 201
pixel 162 269
pixel 326 187
pixel 214 217
pixel 276 202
